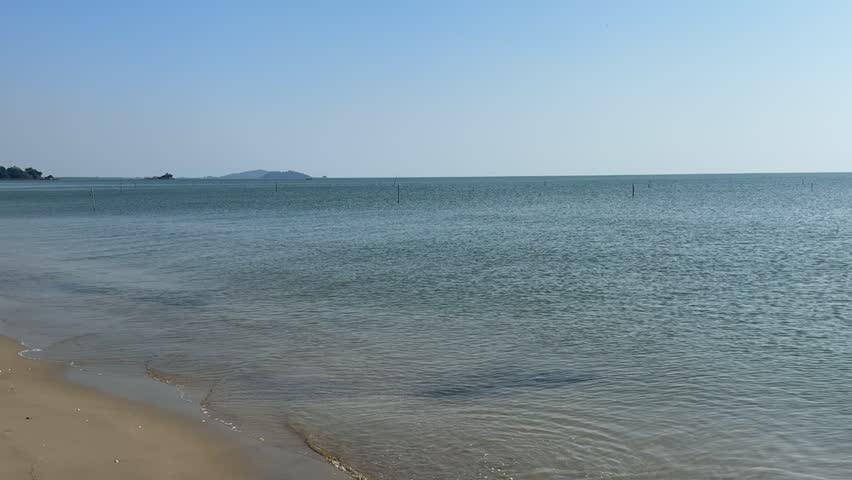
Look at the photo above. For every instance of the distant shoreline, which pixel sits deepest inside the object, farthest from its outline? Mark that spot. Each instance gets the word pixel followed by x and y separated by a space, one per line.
pixel 391 178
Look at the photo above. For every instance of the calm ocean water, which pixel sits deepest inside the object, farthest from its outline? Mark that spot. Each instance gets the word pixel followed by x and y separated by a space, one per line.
pixel 523 328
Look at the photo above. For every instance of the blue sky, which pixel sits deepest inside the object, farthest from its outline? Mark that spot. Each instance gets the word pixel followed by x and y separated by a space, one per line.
pixel 426 88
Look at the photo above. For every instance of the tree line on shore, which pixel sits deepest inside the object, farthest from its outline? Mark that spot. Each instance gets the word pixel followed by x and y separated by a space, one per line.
pixel 17 173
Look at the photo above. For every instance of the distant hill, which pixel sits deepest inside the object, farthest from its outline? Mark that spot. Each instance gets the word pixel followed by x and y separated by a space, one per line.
pixel 167 176
pixel 252 175
pixel 266 175
pixel 15 173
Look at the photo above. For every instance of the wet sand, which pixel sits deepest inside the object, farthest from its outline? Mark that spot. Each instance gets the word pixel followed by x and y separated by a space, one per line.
pixel 53 429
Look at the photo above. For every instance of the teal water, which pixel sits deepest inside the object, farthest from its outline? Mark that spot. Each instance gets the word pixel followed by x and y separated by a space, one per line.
pixel 524 328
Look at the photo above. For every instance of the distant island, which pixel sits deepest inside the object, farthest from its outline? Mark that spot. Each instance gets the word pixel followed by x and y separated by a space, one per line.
pixel 17 173
pixel 167 176
pixel 267 175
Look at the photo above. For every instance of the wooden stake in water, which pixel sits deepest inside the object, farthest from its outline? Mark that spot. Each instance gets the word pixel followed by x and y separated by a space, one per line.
pixel 633 190
pixel 276 187
pixel 397 193
pixel 92 194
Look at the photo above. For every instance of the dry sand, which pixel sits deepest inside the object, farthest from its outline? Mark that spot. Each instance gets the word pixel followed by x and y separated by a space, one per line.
pixel 52 429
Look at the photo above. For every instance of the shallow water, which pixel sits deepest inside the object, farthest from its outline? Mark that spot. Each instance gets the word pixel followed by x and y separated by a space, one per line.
pixel 526 328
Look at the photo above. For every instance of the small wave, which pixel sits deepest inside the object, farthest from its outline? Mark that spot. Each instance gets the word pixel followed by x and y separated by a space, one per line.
pixel 159 375
pixel 204 405
pixel 28 348
pixel 24 353
pixel 327 455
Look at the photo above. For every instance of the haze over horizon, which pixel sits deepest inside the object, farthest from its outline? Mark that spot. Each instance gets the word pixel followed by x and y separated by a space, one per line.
pixel 412 90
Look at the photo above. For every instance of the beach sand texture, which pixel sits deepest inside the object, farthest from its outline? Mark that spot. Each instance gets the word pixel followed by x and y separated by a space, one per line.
pixel 53 429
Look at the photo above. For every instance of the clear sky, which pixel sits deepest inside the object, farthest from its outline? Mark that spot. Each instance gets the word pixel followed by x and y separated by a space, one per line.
pixel 427 88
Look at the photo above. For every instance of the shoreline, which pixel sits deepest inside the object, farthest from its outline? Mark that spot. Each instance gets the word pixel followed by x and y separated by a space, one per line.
pixel 51 427
pixel 300 460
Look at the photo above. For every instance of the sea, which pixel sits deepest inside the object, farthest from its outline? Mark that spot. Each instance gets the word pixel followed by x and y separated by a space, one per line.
pixel 529 328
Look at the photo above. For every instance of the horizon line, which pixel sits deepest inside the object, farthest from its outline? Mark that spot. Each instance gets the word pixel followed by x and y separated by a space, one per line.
pixel 326 177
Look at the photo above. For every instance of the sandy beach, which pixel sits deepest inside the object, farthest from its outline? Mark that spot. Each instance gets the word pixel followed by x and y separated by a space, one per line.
pixel 53 429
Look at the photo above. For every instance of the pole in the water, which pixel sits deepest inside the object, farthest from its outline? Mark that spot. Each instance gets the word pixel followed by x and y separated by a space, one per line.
pixel 92 194
pixel 633 190
pixel 397 193
pixel 812 186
